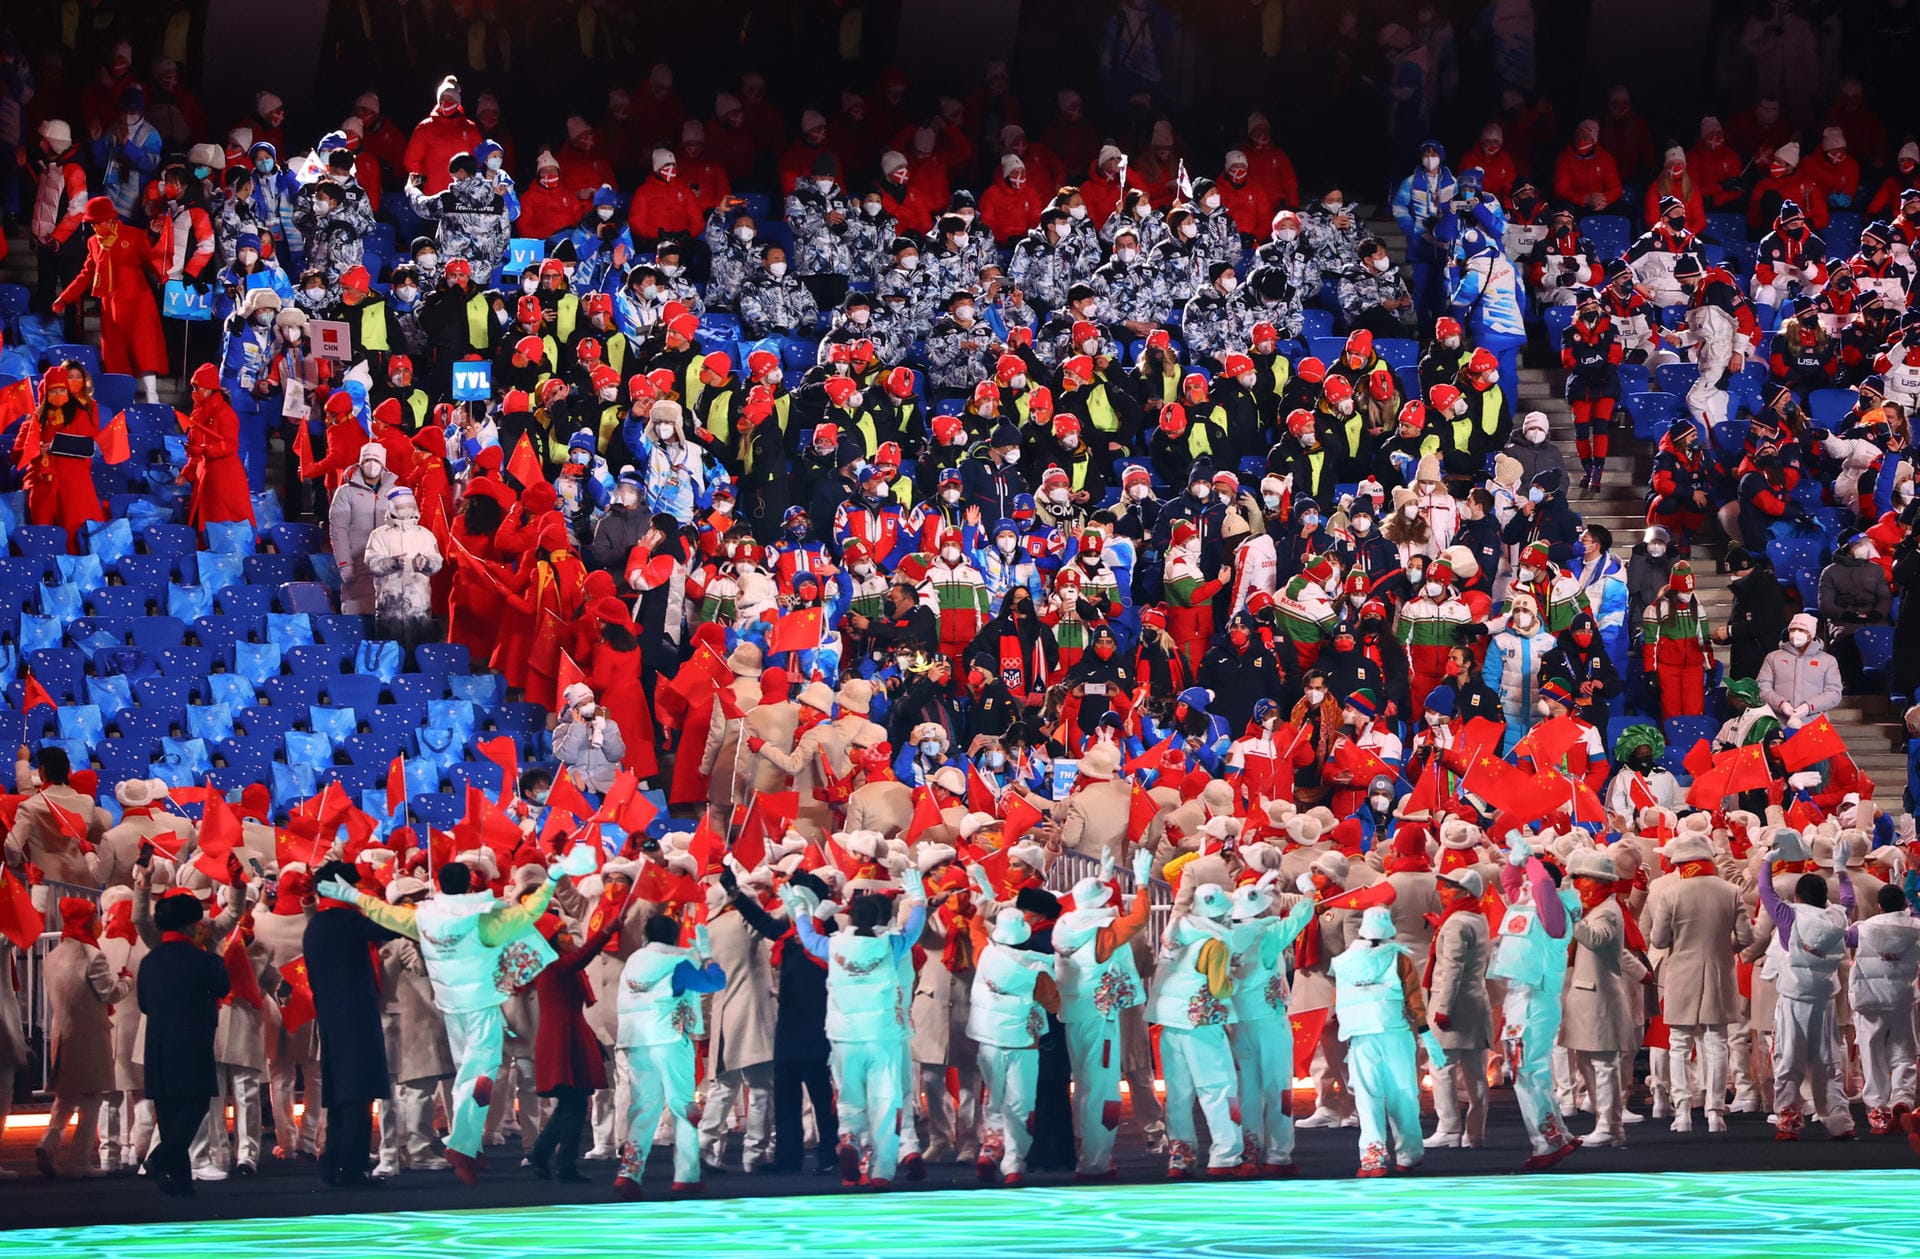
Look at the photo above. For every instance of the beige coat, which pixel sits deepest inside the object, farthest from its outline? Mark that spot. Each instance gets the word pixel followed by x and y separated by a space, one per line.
pixel 1415 895
pixel 1461 949
pixel 39 837
pixel 1313 985
pixel 126 955
pixel 1098 820
pixel 941 1001
pixel 734 780
pixel 1701 926
pixel 13 1037
pixel 81 984
pixel 240 1037
pixel 886 807
pixel 120 846
pixel 723 737
pixel 416 1031
pixel 284 939
pixel 740 1021
pixel 1600 997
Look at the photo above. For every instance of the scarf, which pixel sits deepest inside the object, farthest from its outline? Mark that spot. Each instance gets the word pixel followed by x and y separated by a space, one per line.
pixel 176 937
pixel 1696 869
pixel 957 956
pixel 779 952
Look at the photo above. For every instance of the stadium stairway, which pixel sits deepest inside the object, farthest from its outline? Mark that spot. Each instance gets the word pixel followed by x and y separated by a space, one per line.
pixel 1875 736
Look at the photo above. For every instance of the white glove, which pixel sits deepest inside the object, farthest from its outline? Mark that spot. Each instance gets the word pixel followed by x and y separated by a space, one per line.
pixel 337 889
pixel 1304 883
pixel 982 881
pixel 1518 850
pixel 701 944
pixel 577 861
pixel 1267 881
pixel 1805 780
pixel 1142 867
pixel 1106 864
pixel 828 909
pixel 914 886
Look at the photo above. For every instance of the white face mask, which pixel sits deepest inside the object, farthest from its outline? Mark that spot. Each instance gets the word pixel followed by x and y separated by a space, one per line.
pixel 1380 803
pixel 1362 525
pixel 407 293
pixel 1411 511
pixel 930 747
pixel 960 240
pixel 863 569
pixel 1523 621
pixel 1007 543
pixel 949 496
pixel 743 234
pixel 951 554
pixel 371 470
pixel 1286 235
pixel 909 262
pixel 1863 551
pixel 609 394
pixel 315 293
pixel 429 260
pixel 1432 589
pixel 1229 282
pixel 1430 162
pixel 1139 492
pixel 1059 497
pixel 1070 442
pixel 963 312
pixel 1656 549
pixel 776 269
pixel 663 431
pixel 1189 230
pixel 1077 211
pixel 859 315
pixel 293 336
pixel 1202 493
pixel 671 269
pixel 1383 264
pixel 1018 383
pixel 493 163
pixel 1334 207
pixel 248 257
pixel 1128 256
pixel 1799 638
pixel 1012 456
pixel 825 186
pixel 1316 696
pixel 529 283
pixel 1272 501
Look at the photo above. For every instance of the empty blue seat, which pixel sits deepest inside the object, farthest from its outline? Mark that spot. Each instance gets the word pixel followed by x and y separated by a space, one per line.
pixel 348 628
pixel 354 778
pixel 1610 234
pixel 392 722
pixel 169 693
pixel 1829 406
pixel 1634 378
pixel 418 688
pixel 169 540
pixel 291 692
pixel 269 570
pixel 1398 351
pixel 1678 377
pixel 154 634
pixel 190 663
pixel 1326 349
pixel 221 632
pixel 297 538
pixel 1652 412
pixel 87 626
pixel 59 670
pixel 376 747
pixel 305 596
pixel 267 723
pixel 1876 653
pixel 1315 322
pixel 317 658
pixel 126 602
pixel 1558 320
pixel 41 540
pixel 360 692
pixel 144 725
pixel 1728 228
pixel 1683 732
pixel 244 600
pixel 454 657
pixel 484 774
pixel 521 717
pixel 121 759
pixel 114 392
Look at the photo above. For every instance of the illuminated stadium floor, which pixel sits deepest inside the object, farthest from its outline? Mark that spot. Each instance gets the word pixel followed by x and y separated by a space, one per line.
pixel 1711 1216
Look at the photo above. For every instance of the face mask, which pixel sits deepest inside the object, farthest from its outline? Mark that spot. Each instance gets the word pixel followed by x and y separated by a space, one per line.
pixel 371 470
pixel 995 760
pixel 529 283
pixel 1272 501
pixel 930 747
pixel 407 293
pixel 1228 282
pixel 1536 495
pixel 647 291
pixel 1310 521
pixel 264 165
pixel 248 257
pixel 1316 696
pixel 1799 638
pixel 315 293
pixel 1863 551
pixel 863 569
pixel 824 185
pixel 1012 456
pixel 1128 256
pixel 1139 492
pixel 1334 207
pixel 1656 549
pixel 1432 589
pixel 1435 719
pixel 671 269
pixel 1523 621
pixel 1189 230
pixel 776 269
pixel 1343 408
pixel 1286 235
pixel 429 261
pixel 1383 264
pixel 663 431
pixel 262 318
pixel 293 336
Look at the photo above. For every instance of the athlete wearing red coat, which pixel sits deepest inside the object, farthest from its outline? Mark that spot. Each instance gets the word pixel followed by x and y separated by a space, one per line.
pixel 131 341
pixel 441 134
pixel 59 486
pixel 214 470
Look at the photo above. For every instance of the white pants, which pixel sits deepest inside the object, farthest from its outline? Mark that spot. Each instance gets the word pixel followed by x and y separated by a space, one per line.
pixel 1386 1097
pixel 406 1125
pixel 80 1151
pixel 210 1148
pixel 1094 1049
pixel 1710 1041
pixel 296 1135
pixel 1263 1059
pixel 866 1088
pixel 909 1072
pixel 1198 1065
pixel 1463 1073
pixel 609 1108
pixel 126 1127
pixel 953 1123
pixel 1806 1051
pixel 1009 1078
pixel 725 1091
pixel 1600 1072
pixel 1331 1088
pixel 475 1037
pixel 515 1098
pixel 662 1083
pixel 1886 1042
pixel 1531 1021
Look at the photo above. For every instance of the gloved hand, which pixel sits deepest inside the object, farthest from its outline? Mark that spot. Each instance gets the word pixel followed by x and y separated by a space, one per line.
pixel 1518 850
pixel 1304 883
pixel 755 743
pixel 913 886
pixel 337 889
pixel 701 944
pixel 1839 200
pixel 1106 864
pixel 447 201
pixel 1142 866
pixel 729 884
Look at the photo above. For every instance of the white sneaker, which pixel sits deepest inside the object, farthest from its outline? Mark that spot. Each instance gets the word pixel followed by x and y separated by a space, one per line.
pixel 209 1173
pixel 1349 1121
pixel 1628 1116
pixel 1745 1106
pixel 383 1170
pixel 1444 1141
pixel 1682 1121
pixel 598 1153
pixel 1716 1122
pixel 1322 1117
pixel 431 1163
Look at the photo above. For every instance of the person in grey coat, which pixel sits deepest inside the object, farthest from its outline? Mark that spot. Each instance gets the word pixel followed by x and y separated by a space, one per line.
pixel 1532 449
pixel 774 302
pixel 1800 679
pixel 359 507
pixel 333 215
pixel 587 741
pixel 730 236
pixel 80 987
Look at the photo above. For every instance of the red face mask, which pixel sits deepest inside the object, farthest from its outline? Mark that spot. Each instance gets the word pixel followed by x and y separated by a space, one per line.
pixel 1104 651
pixel 1238 637
pixel 1583 638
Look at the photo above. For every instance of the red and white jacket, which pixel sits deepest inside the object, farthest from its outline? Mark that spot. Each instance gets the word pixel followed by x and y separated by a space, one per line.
pixel 183 242
pixel 59 199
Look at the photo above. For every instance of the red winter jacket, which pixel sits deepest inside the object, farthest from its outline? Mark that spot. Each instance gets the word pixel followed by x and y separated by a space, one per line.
pixel 1010 212
pixel 440 135
pixel 1577 178
pixel 660 208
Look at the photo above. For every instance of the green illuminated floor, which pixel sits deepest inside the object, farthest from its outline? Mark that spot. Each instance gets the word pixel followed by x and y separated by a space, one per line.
pixel 1837 1215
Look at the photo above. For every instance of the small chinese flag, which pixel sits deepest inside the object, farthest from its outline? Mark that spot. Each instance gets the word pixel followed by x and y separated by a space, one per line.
pixel 20 922
pixel 1814 742
pixel 524 466
pixel 1381 893
pixel 798 631
pixel 569 674
pixel 925 813
pixel 1020 816
pixel 296 1009
pixel 33 695
pixel 114 447
pixel 396 784
pixel 1307 1026
pixel 243 985
pixel 1142 808
pixel 979 795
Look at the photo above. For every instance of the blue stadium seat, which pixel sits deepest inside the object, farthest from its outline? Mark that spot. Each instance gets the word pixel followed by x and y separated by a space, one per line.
pixel 171 694
pixel 297 539
pixel 347 629
pixel 1876 653
pixel 269 570
pixel 1683 732
pixel 114 393
pixel 87 356
pixel 484 774
pixel 221 631
pixel 1610 233
pixel 355 778
pixel 59 670
pixel 443 658
pixel 267 722
pixel 1678 377
pixel 291 692
pixel 318 658
pixel 394 722
pixel 155 634
pixel 439 809
pixel 1315 322
pixel 1398 351
pixel 358 691
pixel 1633 378
pixel 418 688
pixel 1727 228
pixel 305 596
pixel 144 725
pixel 169 540
pixel 1828 406
pixel 125 602
pixel 191 663
pixel 40 540
pixel 1326 349
pixel 1652 412
pixel 1558 320
pixel 377 747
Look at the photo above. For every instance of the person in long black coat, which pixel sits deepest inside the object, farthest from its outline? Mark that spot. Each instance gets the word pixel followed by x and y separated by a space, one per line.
pixel 1758 620
pixel 180 989
pixel 346 1004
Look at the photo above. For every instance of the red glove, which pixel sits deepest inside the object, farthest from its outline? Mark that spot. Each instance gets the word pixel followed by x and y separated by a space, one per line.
pixel 755 743
pixel 1441 1021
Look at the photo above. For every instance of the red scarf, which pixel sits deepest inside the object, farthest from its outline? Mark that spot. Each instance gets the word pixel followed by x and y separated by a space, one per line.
pixel 792 935
pixel 1696 869
pixel 175 937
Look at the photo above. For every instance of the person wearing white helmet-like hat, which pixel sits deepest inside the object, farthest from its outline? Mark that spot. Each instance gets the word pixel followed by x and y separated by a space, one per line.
pixel 1190 1002
pixel 1262 1034
pixel 1013 991
pixel 1377 999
